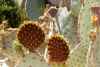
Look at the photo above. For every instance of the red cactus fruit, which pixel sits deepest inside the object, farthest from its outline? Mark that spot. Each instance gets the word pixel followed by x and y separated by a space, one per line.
pixel 31 36
pixel 58 50
pixel 52 11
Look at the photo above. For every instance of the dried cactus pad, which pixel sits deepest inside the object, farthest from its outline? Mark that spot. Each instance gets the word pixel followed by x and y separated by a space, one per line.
pixel 58 49
pixel 31 36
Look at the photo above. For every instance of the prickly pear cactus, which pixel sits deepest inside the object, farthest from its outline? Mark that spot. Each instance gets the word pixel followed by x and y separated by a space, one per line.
pixel 97 51
pixel 97 42
pixel 81 56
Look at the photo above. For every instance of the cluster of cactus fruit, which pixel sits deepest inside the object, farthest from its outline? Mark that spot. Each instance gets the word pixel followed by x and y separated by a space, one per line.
pixel 32 36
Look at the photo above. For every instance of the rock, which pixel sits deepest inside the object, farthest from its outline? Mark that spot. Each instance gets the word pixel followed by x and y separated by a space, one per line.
pixel 7 37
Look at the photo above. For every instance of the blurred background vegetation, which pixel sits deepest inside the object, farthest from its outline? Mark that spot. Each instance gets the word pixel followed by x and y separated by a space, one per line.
pixel 10 11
